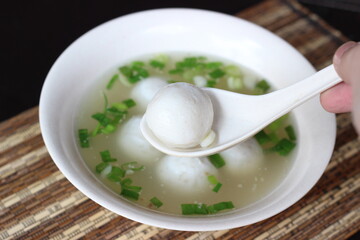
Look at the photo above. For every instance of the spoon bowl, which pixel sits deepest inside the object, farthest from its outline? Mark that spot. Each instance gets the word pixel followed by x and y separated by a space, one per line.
pixel 239 116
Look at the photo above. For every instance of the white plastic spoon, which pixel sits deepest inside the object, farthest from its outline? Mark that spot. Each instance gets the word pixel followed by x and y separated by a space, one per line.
pixel 239 116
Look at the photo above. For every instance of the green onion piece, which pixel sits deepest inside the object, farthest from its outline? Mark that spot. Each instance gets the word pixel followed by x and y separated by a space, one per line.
pixel 132 166
pixel 176 71
pixel 211 209
pixel 126 71
pixel 156 202
pixel 273 137
pixel 263 85
pixel 120 106
pixel 137 64
pixel 277 124
pixel 105 156
pixel 284 147
pixel 291 132
pixel 217 73
pixel 129 103
pixel 84 138
pixel 233 71
pixel 130 194
pixel 101 166
pixel 189 209
pixel 135 72
pixel 108 129
pixel 262 138
pixel 217 160
pixel 223 205
pixel 213 65
pixel 126 181
pixel 211 83
pixel 217 187
pixel 96 131
pixel 212 179
pixel 112 81
pixel 101 118
pixel 132 188
pixel 116 174
pixel 157 64
pixel 171 81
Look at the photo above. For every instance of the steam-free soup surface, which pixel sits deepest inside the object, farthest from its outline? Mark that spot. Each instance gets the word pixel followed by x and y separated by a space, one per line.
pixel 252 169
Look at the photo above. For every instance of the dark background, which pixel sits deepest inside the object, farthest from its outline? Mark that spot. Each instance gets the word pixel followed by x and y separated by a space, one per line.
pixel 34 33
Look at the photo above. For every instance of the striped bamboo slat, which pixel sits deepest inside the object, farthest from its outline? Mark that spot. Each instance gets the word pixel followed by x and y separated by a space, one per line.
pixel 37 202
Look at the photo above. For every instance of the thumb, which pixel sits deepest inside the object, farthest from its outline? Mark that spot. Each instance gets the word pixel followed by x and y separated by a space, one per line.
pixel 347 65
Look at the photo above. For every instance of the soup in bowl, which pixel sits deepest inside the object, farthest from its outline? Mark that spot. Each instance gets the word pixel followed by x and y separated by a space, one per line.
pixel 98 90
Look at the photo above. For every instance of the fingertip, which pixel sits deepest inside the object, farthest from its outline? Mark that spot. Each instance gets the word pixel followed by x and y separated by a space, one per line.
pixel 337 99
pixel 341 50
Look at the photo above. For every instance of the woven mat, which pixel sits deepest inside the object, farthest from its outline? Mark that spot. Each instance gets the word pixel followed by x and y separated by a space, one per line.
pixel 37 202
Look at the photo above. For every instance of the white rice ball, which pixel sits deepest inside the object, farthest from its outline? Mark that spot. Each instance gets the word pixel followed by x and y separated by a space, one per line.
pixel 132 143
pixel 244 158
pixel 180 115
pixel 145 90
pixel 187 175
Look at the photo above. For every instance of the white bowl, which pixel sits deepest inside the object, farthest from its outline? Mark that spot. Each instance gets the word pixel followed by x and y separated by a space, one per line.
pixel 183 30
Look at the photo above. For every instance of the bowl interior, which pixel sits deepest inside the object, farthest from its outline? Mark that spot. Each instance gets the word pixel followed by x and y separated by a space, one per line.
pixel 167 30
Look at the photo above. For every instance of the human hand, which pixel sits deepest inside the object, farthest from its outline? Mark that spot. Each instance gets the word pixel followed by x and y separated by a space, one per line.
pixel 345 96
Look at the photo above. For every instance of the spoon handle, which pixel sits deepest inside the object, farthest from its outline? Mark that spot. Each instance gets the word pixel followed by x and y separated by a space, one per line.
pixel 290 97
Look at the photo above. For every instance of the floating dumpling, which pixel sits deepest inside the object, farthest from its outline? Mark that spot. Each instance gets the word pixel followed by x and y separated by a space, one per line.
pixel 184 174
pixel 132 143
pixel 145 90
pixel 244 158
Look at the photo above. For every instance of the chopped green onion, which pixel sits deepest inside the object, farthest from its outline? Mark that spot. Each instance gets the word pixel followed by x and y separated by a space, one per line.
pixel 223 205
pixel 212 179
pixel 291 132
pixel 135 72
pixel 96 131
pixel 112 81
pixel 116 174
pixel 156 202
pixel 273 137
pixel 211 83
pixel 284 147
pixel 171 81
pixel 129 103
pixel 157 64
pixel 126 181
pixel 132 166
pixel 108 129
pixel 132 188
pixel 217 160
pixel 101 118
pixel 263 86
pixel 217 187
pixel 101 166
pixel 106 157
pixel 212 65
pixel 233 71
pixel 262 138
pixel 277 124
pixel 84 138
pixel 189 209
pixel 130 194
pixel 176 71
pixel 137 64
pixel 217 73
pixel 120 106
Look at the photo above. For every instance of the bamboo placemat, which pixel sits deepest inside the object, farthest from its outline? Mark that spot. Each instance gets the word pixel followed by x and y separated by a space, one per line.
pixel 37 202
